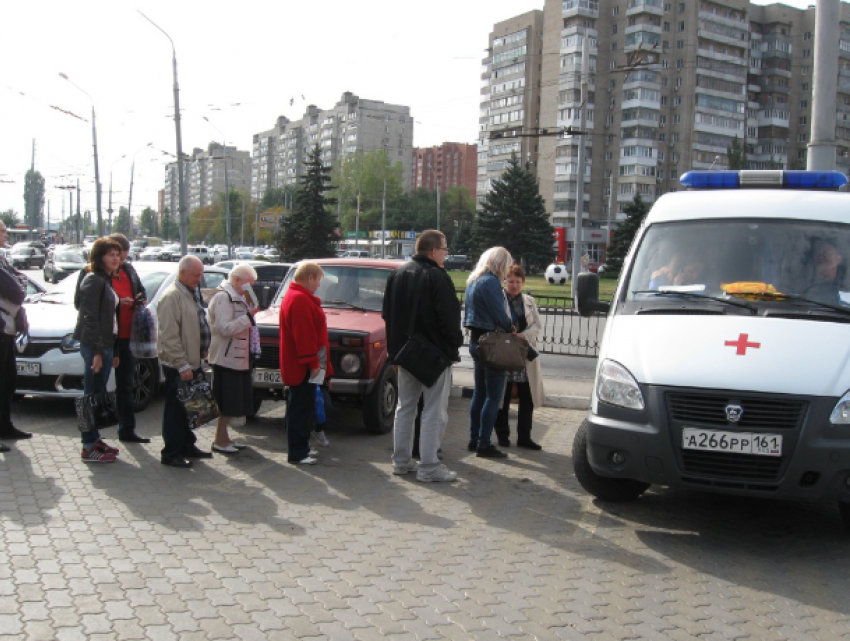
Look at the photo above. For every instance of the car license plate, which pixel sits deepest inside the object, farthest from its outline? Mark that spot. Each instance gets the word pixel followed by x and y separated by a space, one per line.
pixel 28 369
pixel 267 376
pixel 733 442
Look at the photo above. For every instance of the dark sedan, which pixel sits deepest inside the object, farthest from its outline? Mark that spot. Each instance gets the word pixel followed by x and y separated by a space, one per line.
pixel 61 264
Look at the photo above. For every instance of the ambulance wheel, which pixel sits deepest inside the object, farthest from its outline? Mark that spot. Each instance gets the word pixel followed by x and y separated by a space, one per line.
pixel 604 488
pixel 844 509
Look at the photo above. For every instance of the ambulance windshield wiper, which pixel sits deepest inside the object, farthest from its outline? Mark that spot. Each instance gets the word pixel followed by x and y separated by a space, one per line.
pixel 802 299
pixel 726 301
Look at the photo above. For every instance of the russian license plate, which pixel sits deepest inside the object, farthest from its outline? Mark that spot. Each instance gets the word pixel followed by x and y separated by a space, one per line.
pixel 733 442
pixel 267 376
pixel 28 369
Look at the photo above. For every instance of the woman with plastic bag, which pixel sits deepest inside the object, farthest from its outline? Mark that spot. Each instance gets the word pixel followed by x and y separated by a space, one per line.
pixel 235 344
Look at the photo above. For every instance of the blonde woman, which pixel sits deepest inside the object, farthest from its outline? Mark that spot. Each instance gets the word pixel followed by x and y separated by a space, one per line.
pixel 231 316
pixel 485 311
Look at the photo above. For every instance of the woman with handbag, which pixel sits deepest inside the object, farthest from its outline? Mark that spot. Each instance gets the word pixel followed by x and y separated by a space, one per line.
pixel 97 331
pixel 528 381
pixel 231 315
pixel 486 311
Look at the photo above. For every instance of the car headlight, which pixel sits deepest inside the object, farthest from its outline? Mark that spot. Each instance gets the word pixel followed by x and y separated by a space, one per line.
pixel 70 344
pixel 350 363
pixel 841 412
pixel 615 385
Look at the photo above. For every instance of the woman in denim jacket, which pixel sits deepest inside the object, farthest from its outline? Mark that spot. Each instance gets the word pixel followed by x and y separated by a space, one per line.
pixel 485 311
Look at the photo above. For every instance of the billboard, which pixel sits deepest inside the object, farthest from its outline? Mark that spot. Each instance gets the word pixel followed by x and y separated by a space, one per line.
pixel 270 221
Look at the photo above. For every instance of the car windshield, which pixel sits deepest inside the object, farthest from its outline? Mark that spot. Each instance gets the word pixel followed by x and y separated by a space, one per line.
pixel 758 259
pixel 69 257
pixel 348 286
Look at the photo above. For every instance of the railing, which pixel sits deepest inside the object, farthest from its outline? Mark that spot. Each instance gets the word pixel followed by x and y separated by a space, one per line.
pixel 564 331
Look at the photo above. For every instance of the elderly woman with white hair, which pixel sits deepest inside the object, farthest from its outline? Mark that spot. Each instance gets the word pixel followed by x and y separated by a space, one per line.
pixel 485 311
pixel 231 316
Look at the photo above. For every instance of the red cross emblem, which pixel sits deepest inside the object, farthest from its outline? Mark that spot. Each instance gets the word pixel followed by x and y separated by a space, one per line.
pixel 742 344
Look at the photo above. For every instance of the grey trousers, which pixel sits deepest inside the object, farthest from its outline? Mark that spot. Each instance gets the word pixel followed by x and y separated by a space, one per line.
pixel 435 417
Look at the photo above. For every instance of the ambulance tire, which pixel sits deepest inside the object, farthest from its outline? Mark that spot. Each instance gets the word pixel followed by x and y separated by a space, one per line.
pixel 844 509
pixel 603 488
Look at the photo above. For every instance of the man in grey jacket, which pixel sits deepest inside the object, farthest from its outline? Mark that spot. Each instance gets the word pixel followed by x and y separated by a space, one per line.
pixel 183 340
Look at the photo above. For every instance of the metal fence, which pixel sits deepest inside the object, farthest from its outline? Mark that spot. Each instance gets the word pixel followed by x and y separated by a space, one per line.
pixel 564 330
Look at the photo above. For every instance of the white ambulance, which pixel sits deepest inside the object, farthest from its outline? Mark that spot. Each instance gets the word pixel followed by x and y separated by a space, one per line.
pixel 725 361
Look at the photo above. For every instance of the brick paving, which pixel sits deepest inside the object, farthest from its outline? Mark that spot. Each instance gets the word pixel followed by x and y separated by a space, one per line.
pixel 253 548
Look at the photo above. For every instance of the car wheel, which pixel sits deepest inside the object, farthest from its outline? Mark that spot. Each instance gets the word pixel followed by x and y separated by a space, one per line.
pixel 258 401
pixel 379 406
pixel 46 278
pixel 145 383
pixel 607 489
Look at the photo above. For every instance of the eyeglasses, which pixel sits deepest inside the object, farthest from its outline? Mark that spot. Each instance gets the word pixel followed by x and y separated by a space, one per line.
pixel 445 249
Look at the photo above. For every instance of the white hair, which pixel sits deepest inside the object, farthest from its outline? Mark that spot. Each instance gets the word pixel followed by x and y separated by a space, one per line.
pixel 186 261
pixel 496 260
pixel 242 271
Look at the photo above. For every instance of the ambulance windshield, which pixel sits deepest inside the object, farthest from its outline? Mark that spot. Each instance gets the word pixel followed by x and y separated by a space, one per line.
pixel 757 260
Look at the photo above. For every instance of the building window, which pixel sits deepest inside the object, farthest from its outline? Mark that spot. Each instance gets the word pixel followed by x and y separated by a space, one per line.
pixel 682 26
pixel 681 7
pixel 680 44
pixel 807 53
pixel 666 26
pixel 615 11
pixel 614 28
pixel 607 155
pixel 804 120
pixel 807 35
pixel 804 104
pixel 613 45
pixel 802 137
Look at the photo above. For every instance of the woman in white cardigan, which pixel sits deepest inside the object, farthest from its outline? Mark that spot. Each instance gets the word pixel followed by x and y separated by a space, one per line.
pixel 528 381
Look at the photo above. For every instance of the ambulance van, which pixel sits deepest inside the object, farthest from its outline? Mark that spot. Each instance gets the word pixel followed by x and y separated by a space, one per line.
pixel 725 359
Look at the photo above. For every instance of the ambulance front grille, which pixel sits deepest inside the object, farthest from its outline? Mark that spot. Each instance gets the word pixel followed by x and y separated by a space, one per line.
pixel 769 413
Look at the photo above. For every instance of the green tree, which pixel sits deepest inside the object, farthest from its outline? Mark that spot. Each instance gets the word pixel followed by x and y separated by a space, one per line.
pixel 513 215
pixel 458 212
pixel 737 155
pixel 623 236
pixel 278 197
pixel 34 199
pixel 147 222
pixel 310 230
pixel 365 174
pixel 170 228
pixel 10 218
pixel 122 222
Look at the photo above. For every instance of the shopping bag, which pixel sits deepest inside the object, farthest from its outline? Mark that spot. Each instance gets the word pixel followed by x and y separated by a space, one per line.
pixel 143 334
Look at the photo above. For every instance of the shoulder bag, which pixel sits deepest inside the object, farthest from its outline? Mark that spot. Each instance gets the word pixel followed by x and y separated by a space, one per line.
pixel 97 410
pixel 197 399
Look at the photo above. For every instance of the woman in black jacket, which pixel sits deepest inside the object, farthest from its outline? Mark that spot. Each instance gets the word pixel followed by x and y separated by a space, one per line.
pixel 97 328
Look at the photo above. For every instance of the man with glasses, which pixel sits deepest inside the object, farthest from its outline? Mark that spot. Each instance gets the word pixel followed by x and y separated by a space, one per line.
pixel 424 286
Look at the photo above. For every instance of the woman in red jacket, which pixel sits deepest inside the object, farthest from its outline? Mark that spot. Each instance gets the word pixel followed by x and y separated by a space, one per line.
pixel 304 357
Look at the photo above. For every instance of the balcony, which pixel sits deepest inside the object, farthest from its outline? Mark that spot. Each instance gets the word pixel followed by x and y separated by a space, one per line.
pixel 586 8
pixel 653 7
pixel 773 118
pixel 723 38
pixel 735 23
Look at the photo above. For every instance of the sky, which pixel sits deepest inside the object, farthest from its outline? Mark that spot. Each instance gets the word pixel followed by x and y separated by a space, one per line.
pixel 241 65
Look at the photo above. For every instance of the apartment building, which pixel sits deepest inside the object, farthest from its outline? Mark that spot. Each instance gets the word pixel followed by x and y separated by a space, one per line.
pixel 204 176
pixel 353 124
pixel 670 86
pixel 445 166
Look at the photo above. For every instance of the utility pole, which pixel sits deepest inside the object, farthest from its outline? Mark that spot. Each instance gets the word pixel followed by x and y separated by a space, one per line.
pixel 822 146
pixel 79 237
pixel 384 222
pixel 438 205
pixel 357 223
pixel 242 242
pixel 577 242
pixel 110 210
pixel 612 201
pixel 130 202
pixel 32 206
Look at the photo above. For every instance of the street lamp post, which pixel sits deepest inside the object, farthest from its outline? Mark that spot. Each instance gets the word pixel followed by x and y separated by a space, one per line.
pixel 94 143
pixel 184 228
pixel 132 176
pixel 109 209
pixel 226 191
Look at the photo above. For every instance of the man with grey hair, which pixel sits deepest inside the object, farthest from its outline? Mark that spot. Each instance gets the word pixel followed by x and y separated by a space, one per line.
pixel 183 341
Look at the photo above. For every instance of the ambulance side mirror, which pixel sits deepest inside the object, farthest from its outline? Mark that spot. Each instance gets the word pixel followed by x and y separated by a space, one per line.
pixel 587 295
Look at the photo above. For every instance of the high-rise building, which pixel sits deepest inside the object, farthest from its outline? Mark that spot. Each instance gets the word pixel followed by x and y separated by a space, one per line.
pixel 353 124
pixel 671 85
pixel 204 176
pixel 445 166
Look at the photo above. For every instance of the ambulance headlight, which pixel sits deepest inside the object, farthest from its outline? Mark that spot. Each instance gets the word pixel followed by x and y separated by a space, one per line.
pixel 841 412
pixel 615 385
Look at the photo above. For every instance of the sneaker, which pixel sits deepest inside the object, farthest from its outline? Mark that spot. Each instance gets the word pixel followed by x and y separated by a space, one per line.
pixel 95 455
pixel 306 461
pixel 106 449
pixel 404 469
pixel 321 439
pixel 313 452
pixel 440 475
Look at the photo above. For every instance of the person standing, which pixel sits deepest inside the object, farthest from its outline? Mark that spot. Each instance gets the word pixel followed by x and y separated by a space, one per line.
pixel 486 311
pixel 304 354
pixel 528 381
pixel 13 287
pixel 131 293
pixel 183 340
pixel 423 284
pixel 231 319
pixel 97 331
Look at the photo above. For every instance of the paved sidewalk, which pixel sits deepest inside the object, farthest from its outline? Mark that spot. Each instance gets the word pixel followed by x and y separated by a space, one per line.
pixel 251 547
pixel 566 392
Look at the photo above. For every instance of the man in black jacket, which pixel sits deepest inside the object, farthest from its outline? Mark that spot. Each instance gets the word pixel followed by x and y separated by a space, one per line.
pixel 437 318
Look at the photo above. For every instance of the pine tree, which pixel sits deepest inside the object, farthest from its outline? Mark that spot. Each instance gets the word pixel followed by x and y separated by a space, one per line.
pixel 636 211
pixel 309 231
pixel 737 155
pixel 513 216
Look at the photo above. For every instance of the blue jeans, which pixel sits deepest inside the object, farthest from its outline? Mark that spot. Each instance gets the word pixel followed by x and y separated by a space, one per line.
pixel 94 383
pixel 125 380
pixel 486 398
pixel 300 414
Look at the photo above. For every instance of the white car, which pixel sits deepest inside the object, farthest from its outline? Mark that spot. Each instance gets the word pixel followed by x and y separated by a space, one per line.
pixel 51 364
pixel 150 254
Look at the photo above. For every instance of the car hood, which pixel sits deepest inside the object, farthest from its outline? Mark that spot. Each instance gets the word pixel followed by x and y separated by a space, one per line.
pixel 338 319
pixel 51 320
pixel 69 266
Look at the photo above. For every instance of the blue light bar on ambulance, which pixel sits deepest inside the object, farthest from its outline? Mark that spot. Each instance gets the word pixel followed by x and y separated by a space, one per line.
pixel 763 178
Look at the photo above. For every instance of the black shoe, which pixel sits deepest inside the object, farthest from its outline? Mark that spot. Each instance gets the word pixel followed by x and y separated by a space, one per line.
pixel 133 438
pixel 14 434
pixel 176 461
pixel 529 445
pixel 505 442
pixel 491 452
pixel 5 448
pixel 473 445
pixel 196 453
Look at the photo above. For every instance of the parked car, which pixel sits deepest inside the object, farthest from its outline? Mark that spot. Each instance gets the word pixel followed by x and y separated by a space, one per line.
pixel 458 262
pixel 352 294
pixel 357 253
pixel 272 254
pixel 269 277
pixel 170 253
pixel 594 267
pixel 61 263
pixel 51 364
pixel 150 254
pixel 26 257
pixel 202 252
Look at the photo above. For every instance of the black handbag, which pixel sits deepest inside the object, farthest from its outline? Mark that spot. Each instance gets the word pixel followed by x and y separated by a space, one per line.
pixel 418 355
pixel 97 410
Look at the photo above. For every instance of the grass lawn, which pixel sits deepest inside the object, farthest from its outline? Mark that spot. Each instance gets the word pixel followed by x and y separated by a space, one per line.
pixel 537 286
